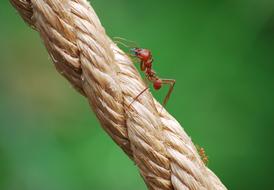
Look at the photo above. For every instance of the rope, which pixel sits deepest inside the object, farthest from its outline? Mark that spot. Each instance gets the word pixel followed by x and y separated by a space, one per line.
pixel 83 53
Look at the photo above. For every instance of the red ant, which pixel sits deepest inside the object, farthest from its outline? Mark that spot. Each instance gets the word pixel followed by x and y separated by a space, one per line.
pixel 202 154
pixel 146 60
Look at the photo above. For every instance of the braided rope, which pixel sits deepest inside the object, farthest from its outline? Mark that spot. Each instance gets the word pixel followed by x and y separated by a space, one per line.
pixel 83 53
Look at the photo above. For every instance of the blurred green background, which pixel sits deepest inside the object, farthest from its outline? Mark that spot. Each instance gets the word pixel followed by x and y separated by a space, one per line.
pixel 220 52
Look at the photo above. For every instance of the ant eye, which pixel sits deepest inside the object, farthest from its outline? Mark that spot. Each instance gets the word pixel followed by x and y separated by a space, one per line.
pixel 134 51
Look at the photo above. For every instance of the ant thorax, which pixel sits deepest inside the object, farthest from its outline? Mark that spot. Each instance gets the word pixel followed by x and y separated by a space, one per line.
pixel 151 73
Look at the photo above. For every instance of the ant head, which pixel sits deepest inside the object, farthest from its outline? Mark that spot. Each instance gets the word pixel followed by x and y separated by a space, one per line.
pixel 141 53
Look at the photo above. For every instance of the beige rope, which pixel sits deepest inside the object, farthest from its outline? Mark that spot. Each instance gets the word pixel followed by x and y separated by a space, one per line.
pixel 99 70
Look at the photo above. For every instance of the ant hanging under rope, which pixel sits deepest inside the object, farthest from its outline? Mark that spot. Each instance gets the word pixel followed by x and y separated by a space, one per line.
pixel 145 59
pixel 202 154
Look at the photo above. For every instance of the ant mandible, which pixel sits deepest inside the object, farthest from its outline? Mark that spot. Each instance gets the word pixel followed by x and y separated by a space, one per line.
pixel 146 60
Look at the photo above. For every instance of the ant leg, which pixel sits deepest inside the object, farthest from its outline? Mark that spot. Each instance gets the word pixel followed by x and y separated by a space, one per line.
pixel 138 96
pixel 131 56
pixel 146 81
pixel 170 82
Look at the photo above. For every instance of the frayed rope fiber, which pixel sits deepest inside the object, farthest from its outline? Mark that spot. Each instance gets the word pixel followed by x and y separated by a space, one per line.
pixel 83 53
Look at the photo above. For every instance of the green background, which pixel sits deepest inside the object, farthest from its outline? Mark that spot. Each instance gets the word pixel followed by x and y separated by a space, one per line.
pixel 221 52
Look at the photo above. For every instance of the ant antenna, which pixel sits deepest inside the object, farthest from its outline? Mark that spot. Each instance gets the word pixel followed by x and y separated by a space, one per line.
pixel 123 40
pixel 118 42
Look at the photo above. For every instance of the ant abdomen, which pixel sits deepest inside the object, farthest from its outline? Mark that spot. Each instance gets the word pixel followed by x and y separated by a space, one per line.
pixel 157 84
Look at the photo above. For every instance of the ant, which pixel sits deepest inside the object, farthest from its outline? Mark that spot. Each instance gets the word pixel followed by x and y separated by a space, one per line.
pixel 145 58
pixel 202 154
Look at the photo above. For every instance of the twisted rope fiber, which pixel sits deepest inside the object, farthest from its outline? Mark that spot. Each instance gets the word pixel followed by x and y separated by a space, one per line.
pixel 100 71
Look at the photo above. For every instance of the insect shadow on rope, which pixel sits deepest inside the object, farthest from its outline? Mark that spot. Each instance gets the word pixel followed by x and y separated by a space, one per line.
pixel 145 59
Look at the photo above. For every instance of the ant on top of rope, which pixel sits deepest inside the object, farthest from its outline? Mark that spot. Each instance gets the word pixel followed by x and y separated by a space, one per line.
pixel 145 59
